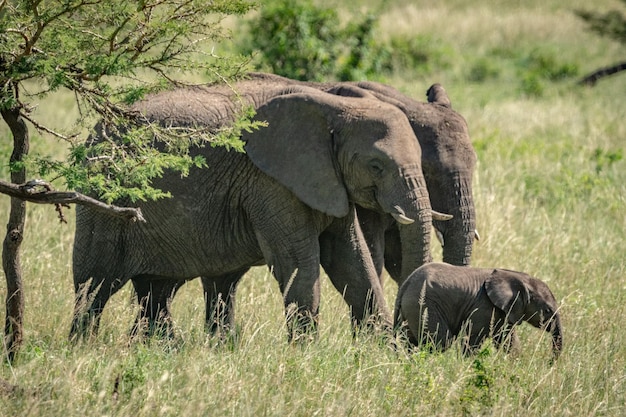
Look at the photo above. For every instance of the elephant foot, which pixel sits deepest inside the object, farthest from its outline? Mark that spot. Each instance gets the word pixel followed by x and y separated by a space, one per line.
pixel 144 329
pixel 301 325
pixel 223 338
pixel 377 323
pixel 84 327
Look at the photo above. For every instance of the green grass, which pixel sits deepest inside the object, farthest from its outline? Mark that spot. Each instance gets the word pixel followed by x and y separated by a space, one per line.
pixel 550 193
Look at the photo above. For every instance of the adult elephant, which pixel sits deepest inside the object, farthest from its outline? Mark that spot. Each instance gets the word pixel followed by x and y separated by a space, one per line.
pixel 448 162
pixel 297 185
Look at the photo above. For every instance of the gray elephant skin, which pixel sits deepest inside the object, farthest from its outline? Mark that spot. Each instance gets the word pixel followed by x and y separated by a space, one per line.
pixel 440 301
pixel 448 162
pixel 296 186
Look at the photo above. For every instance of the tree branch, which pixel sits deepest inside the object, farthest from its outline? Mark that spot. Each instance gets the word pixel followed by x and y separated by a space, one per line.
pixel 592 78
pixel 40 192
pixel 42 128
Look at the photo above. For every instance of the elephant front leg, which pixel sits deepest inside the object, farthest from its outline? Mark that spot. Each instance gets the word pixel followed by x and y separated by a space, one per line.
pixel 289 241
pixel 346 258
pixel 507 339
pixel 300 287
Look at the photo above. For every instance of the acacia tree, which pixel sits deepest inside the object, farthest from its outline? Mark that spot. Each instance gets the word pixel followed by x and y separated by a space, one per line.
pixel 109 53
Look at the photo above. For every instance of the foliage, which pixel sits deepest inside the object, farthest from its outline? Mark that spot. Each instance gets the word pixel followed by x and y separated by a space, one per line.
pixel 541 66
pixel 535 68
pixel 478 390
pixel 421 53
pixel 611 24
pixel 304 41
pixel 111 54
pixel 483 70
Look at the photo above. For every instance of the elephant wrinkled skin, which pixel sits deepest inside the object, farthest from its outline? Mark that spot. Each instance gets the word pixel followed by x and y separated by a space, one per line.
pixel 440 301
pixel 296 186
pixel 448 162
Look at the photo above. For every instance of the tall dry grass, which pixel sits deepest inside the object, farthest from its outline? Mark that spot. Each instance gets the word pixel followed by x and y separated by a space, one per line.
pixel 550 197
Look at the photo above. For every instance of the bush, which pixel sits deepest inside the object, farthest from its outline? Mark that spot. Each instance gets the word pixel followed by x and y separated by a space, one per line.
pixel 539 66
pixel 299 40
pixel 547 66
pixel 483 70
pixel 295 39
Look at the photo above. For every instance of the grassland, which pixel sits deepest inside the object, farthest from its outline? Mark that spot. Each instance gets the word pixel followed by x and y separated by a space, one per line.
pixel 550 193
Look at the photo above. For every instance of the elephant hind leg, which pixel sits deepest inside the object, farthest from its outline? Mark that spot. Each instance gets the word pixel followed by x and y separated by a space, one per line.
pixel 219 298
pixel 91 295
pixel 430 331
pixel 154 295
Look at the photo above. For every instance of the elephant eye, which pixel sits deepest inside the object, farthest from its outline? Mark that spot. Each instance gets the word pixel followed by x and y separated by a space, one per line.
pixel 376 167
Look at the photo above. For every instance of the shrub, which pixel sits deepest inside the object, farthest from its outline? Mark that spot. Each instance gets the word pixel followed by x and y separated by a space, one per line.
pixel 300 40
pixel 295 39
pixel 483 70
pixel 547 66
pixel 540 66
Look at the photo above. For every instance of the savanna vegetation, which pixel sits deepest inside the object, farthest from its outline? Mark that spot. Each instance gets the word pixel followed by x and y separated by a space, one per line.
pixel 550 194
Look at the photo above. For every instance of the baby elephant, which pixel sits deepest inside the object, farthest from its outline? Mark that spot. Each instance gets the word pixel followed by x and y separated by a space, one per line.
pixel 438 301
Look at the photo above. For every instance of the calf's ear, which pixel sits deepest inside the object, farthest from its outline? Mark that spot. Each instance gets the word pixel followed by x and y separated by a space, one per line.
pixel 508 291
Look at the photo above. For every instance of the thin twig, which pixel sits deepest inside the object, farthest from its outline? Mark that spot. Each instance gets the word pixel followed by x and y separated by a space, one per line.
pixel 43 128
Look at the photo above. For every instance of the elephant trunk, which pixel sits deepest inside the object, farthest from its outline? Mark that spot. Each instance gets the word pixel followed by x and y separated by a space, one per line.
pixel 458 234
pixel 415 237
pixel 409 205
pixel 557 336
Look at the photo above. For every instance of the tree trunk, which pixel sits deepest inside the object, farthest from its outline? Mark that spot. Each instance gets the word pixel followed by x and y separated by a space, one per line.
pixel 13 328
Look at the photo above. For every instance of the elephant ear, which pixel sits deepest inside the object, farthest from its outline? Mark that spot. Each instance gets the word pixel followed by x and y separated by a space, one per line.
pixel 508 292
pixel 296 149
pixel 437 94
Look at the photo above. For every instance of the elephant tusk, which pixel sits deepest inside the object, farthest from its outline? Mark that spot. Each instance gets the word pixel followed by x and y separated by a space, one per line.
pixel 476 235
pixel 440 216
pixel 439 237
pixel 402 219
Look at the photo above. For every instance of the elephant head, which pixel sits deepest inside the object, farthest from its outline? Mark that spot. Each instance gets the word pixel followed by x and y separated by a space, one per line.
pixel 448 161
pixel 524 298
pixel 368 155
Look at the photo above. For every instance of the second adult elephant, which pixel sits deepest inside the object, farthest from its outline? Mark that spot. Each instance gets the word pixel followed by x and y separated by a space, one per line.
pixel 448 162
pixel 297 184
